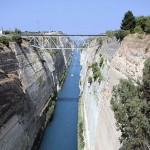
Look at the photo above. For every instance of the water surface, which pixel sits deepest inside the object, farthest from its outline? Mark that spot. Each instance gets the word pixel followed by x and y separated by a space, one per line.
pixel 61 132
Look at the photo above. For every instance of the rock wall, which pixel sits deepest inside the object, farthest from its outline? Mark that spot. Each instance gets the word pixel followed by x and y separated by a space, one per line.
pixel 29 79
pixel 121 61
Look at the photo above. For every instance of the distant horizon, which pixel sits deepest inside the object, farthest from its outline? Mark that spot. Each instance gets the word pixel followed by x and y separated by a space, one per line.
pixel 70 17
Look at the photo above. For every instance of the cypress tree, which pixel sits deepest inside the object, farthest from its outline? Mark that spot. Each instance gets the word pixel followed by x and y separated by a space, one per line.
pixel 128 22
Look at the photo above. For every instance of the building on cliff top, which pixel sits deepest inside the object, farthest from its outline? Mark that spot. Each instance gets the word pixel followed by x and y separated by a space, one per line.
pixel 1 32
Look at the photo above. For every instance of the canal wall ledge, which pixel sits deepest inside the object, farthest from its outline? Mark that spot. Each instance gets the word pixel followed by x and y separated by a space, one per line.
pixel 29 81
pixel 121 60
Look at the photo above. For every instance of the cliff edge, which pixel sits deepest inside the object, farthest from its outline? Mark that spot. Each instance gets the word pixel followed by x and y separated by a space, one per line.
pixel 29 80
pixel 121 60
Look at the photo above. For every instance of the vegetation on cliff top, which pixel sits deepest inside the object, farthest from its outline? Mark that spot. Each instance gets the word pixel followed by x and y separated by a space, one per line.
pixel 11 36
pixel 4 40
pixel 128 22
pixel 131 24
pixel 131 106
pixel 15 31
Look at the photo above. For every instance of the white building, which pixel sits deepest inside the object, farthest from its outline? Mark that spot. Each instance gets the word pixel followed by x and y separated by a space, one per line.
pixel 1 32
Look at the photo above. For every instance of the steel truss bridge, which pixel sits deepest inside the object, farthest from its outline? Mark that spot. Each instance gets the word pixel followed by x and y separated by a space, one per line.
pixel 61 41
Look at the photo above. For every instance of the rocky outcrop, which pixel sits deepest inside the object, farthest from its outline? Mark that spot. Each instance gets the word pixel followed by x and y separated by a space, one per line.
pixel 29 80
pixel 121 61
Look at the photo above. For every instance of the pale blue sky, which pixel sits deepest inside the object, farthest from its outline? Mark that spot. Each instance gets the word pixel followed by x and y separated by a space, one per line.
pixel 69 16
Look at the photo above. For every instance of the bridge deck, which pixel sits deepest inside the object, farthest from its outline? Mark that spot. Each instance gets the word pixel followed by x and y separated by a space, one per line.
pixel 65 35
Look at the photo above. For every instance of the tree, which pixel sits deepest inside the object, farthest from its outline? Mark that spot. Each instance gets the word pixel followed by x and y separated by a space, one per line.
pixel 141 21
pixel 17 31
pixel 128 22
pixel 147 25
pixel 131 106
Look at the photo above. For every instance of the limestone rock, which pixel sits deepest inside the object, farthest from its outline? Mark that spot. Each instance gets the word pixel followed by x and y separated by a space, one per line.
pixel 25 90
pixel 123 60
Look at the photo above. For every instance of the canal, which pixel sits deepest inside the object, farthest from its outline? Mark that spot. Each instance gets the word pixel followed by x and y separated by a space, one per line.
pixel 61 132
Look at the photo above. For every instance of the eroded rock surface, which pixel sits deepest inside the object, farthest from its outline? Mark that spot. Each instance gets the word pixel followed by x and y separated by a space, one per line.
pixel 121 61
pixel 29 79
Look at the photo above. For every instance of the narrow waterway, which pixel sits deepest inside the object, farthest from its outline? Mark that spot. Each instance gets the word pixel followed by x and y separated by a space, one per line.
pixel 61 132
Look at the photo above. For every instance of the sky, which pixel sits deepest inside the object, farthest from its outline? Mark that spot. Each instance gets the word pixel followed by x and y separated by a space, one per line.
pixel 69 16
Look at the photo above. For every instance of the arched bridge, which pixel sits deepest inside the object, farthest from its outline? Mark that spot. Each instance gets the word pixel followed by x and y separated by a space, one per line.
pixel 62 41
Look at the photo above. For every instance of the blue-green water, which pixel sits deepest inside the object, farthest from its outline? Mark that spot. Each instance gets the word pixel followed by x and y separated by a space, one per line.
pixel 61 132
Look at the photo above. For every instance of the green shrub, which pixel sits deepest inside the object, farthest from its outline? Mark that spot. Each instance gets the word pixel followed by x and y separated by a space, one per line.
pixel 120 34
pixel 100 77
pixel 110 33
pixel 141 21
pixel 138 29
pixel 17 39
pixel 100 41
pixel 90 79
pixel 101 61
pixel 99 80
pixel 131 106
pixel 81 134
pixel 94 65
pixel 147 25
pixel 96 72
pixel 4 40
pixel 146 80
pixel 81 126
pixel 1 46
pixel 50 113
pixel 13 32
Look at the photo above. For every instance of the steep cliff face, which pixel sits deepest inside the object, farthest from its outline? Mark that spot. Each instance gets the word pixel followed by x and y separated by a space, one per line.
pixel 29 79
pixel 121 61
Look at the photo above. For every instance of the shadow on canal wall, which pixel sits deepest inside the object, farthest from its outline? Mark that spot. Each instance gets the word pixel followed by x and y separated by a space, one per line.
pixel 28 92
